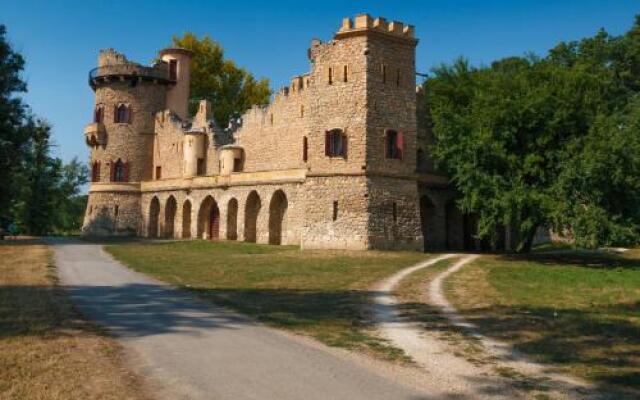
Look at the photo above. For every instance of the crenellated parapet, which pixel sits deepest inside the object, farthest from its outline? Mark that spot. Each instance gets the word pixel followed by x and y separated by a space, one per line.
pixel 364 23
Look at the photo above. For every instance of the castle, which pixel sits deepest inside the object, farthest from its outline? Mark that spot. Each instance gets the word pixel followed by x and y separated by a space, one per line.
pixel 337 160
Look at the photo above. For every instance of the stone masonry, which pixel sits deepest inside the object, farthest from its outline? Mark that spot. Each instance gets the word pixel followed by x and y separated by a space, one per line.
pixel 337 160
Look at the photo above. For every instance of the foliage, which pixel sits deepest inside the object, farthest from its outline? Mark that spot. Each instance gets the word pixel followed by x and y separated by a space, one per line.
pixel 13 137
pixel 230 89
pixel 50 197
pixel 514 137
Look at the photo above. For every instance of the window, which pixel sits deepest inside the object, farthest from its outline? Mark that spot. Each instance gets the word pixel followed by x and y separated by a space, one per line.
pixel 158 172
pixel 115 210
pixel 301 111
pixel 335 210
pixel 344 74
pixel 173 70
pixel 200 167
pixel 122 114
pixel 384 73
pixel 237 165
pixel 305 149
pixel 335 144
pixel 119 171
pixel 271 119
pixel 398 77
pixel 394 211
pixel 98 114
pixel 95 171
pixel 330 75
pixel 394 144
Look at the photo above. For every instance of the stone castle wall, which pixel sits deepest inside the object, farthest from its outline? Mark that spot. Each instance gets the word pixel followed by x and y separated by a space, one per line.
pixel 362 82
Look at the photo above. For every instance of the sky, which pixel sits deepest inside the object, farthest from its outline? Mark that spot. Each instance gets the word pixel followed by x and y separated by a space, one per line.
pixel 60 40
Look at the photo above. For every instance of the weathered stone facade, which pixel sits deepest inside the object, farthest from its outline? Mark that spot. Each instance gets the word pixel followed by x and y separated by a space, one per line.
pixel 337 160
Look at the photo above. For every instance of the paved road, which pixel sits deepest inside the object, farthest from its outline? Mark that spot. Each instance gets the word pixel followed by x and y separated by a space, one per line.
pixel 189 349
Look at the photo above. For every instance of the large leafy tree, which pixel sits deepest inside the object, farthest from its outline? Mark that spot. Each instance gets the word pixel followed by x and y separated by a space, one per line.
pixel 230 89
pixel 508 133
pixel 13 137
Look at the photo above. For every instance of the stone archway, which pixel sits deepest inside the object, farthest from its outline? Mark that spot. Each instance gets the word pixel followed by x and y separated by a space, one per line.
pixel 428 222
pixel 154 216
pixel 251 211
pixel 209 219
pixel 186 219
pixel 232 220
pixel 170 216
pixel 277 211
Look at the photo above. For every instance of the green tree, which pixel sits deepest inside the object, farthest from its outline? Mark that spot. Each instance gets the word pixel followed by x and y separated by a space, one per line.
pixel 599 187
pixel 230 89
pixel 14 138
pixel 507 134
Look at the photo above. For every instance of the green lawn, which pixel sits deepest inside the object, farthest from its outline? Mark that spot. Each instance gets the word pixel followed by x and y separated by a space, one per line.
pixel 323 294
pixel 577 310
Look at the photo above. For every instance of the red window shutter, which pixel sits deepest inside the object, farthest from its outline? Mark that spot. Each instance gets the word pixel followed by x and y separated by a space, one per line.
pixel 115 113
pixel 385 139
pixel 327 143
pixel 345 142
pixel 112 171
pixel 126 171
pixel 400 144
pixel 98 173
pixel 129 114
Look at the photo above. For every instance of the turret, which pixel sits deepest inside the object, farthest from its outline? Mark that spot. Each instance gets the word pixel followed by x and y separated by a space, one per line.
pixel 178 60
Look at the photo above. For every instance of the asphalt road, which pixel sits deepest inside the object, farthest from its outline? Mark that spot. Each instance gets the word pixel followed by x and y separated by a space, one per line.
pixel 186 348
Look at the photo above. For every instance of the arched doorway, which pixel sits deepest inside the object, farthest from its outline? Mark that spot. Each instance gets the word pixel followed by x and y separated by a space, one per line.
pixel 209 219
pixel 169 216
pixel 232 219
pixel 427 220
pixel 277 211
pixel 154 215
pixel 186 220
pixel 251 211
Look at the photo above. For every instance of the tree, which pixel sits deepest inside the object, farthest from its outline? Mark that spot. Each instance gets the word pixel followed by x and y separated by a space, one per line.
pixel 13 137
pixel 507 134
pixel 231 90
pixel 600 186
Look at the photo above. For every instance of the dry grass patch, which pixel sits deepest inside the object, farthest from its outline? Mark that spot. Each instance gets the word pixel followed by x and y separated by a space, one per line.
pixel 46 350
pixel 323 294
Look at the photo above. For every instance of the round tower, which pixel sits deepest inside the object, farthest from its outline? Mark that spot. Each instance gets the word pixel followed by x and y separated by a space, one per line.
pixel 127 96
pixel 178 60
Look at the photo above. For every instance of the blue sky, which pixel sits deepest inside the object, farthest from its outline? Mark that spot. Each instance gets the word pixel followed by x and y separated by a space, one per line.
pixel 60 40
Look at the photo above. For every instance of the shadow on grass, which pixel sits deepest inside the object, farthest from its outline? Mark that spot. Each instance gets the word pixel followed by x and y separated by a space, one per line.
pixel 596 340
pixel 578 258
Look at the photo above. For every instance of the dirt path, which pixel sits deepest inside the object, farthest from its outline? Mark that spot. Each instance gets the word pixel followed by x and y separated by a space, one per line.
pixel 455 375
pixel 191 349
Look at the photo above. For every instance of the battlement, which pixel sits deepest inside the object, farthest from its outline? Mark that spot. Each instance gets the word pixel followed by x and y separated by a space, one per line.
pixel 111 57
pixel 365 23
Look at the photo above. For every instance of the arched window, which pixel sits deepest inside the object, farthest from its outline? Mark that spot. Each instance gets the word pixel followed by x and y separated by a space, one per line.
pixel 98 114
pixel 394 144
pixel 119 171
pixel 95 171
pixel 335 144
pixel 122 114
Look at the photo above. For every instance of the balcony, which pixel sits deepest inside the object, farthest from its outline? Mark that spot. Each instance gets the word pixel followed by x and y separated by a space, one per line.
pixel 159 73
pixel 95 135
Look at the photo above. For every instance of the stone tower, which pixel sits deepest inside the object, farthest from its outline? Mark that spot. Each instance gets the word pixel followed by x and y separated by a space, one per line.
pixel 127 96
pixel 363 83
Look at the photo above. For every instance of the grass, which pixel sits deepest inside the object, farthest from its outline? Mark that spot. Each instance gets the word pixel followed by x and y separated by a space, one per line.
pixel 576 310
pixel 46 350
pixel 322 294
